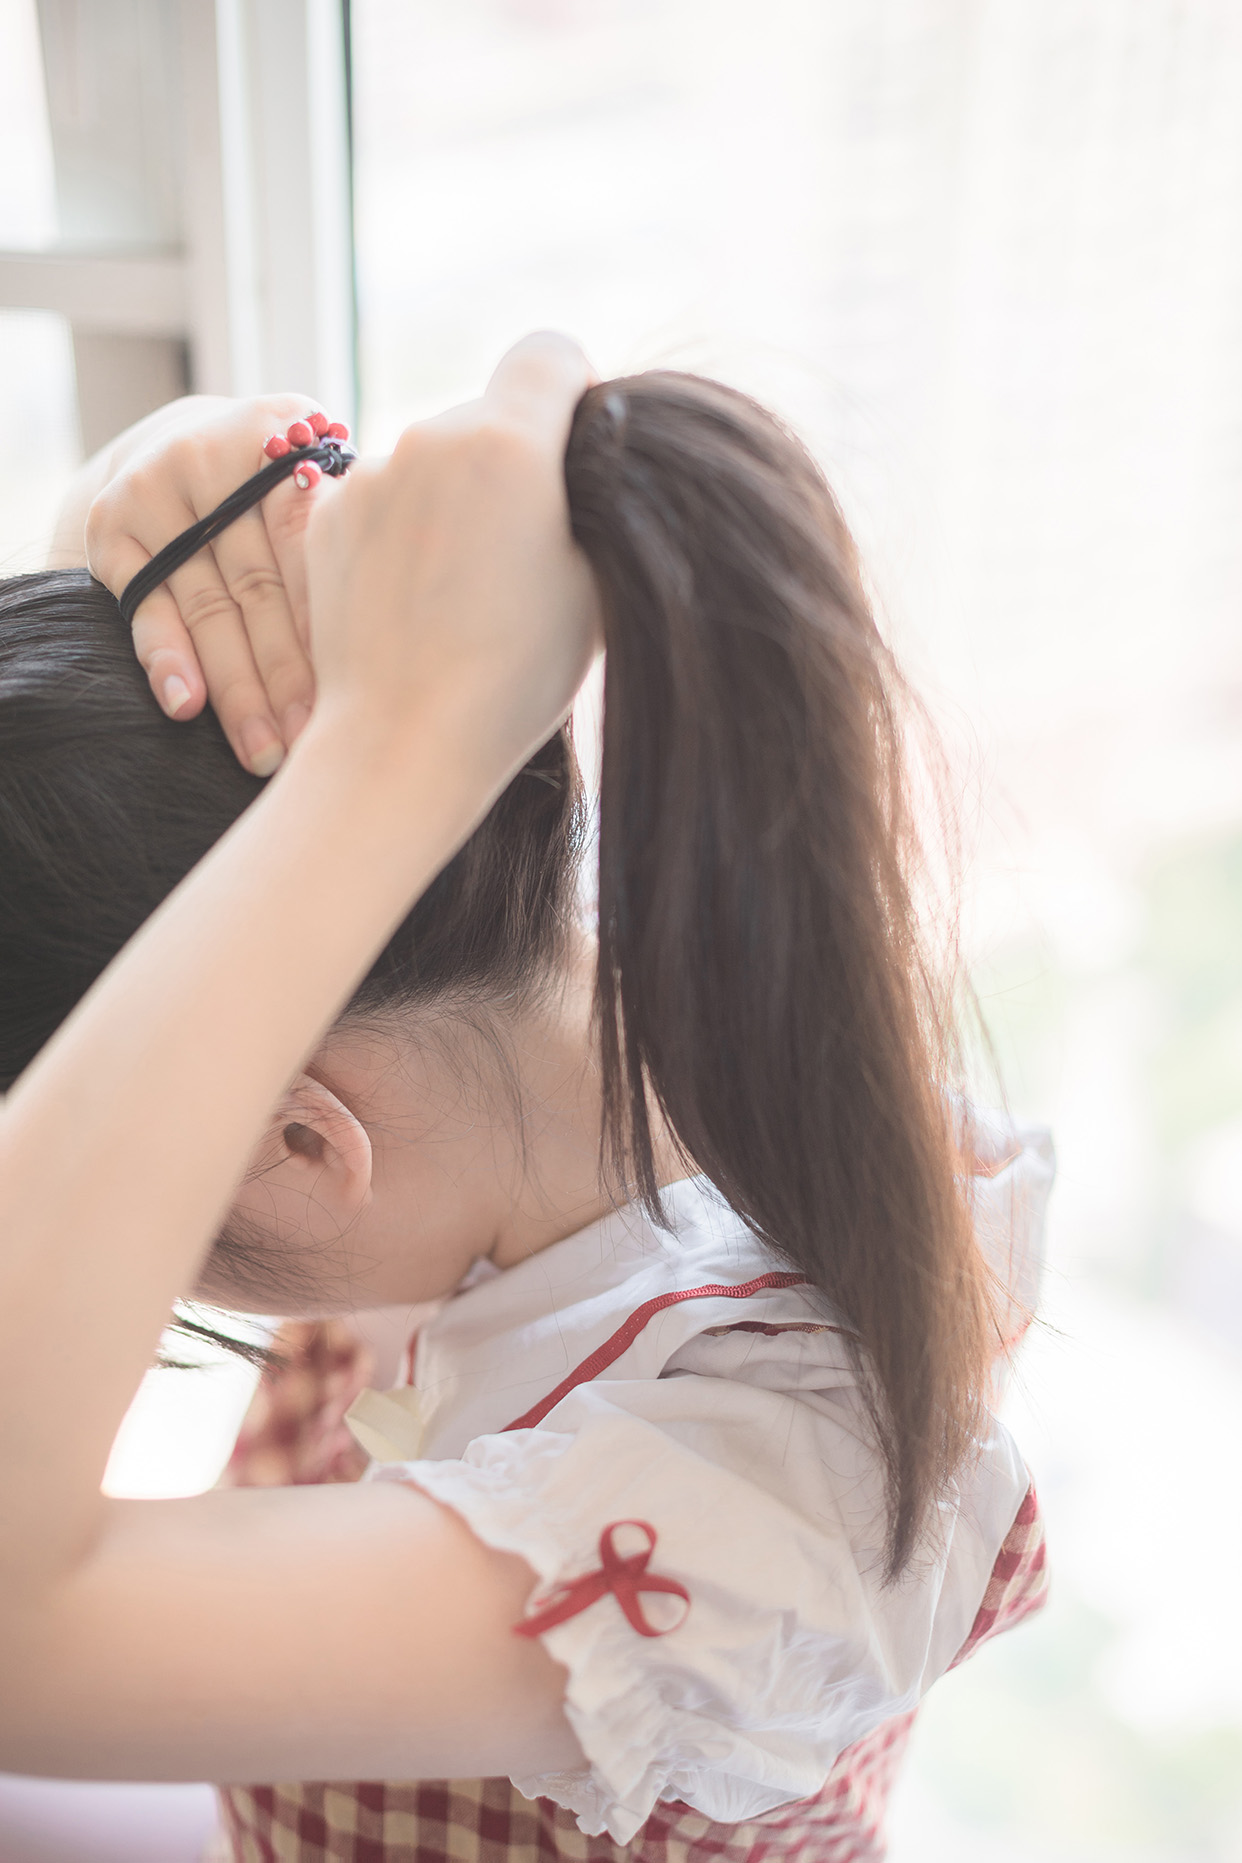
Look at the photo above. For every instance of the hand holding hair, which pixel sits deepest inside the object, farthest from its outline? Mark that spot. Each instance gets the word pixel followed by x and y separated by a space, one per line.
pixel 231 624
pixel 446 580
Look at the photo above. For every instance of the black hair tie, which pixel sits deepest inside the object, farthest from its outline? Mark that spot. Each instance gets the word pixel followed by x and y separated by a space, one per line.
pixel 332 456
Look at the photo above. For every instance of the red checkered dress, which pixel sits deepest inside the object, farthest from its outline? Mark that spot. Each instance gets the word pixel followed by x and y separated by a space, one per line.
pixel 488 1820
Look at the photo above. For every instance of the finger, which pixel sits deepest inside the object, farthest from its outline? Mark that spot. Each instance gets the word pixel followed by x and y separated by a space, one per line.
pixel 286 514
pixel 539 383
pixel 166 654
pixel 237 693
pixel 164 648
pixel 253 579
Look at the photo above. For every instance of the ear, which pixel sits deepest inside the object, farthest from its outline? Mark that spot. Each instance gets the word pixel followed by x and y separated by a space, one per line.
pixel 311 1171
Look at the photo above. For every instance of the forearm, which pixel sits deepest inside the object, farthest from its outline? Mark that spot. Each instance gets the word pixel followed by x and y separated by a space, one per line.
pixel 122 1144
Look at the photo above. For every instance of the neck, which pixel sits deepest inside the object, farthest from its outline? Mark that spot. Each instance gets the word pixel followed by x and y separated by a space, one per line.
pixel 563 1182
pixel 486 1138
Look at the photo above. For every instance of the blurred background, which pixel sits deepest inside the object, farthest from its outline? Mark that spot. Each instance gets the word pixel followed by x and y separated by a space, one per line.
pixel 986 255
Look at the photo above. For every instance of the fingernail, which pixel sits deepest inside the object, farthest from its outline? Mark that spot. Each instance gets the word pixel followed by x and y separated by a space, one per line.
pixel 264 751
pixel 176 694
pixel 295 720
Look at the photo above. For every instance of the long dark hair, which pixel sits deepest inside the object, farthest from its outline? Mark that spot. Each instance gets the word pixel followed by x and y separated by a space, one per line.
pixel 760 969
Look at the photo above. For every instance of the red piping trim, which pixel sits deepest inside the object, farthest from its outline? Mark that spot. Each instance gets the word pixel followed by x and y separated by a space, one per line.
pixel 625 1336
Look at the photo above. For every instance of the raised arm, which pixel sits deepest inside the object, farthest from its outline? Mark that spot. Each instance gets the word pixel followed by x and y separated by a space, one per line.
pixel 245 1635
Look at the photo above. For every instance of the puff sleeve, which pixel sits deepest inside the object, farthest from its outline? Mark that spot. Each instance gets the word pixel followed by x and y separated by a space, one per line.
pixel 764 1508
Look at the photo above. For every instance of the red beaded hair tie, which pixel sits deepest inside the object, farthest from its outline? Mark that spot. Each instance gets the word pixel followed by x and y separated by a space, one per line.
pixel 310 437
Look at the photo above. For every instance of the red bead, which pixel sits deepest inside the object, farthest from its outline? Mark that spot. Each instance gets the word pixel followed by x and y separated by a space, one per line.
pixel 300 434
pixel 276 447
pixel 337 430
pixel 318 424
pixel 307 474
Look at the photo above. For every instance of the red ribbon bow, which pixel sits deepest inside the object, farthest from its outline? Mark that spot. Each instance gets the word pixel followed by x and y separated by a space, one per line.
pixel 625 1575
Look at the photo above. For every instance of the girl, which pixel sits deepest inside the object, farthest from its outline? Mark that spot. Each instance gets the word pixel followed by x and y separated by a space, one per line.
pixel 693 1490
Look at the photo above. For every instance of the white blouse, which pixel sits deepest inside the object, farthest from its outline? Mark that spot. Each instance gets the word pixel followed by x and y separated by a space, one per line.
pixel 715 1439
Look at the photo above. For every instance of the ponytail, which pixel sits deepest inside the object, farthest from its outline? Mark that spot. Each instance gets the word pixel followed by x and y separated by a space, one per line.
pixel 759 964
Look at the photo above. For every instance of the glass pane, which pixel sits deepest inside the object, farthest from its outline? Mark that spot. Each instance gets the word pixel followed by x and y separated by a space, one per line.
pixel 590 164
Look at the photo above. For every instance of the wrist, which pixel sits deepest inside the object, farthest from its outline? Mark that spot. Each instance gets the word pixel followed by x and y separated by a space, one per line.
pixel 452 740
pixel 429 765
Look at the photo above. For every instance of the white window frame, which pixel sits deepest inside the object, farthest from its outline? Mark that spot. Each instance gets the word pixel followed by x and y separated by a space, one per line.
pixel 202 159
